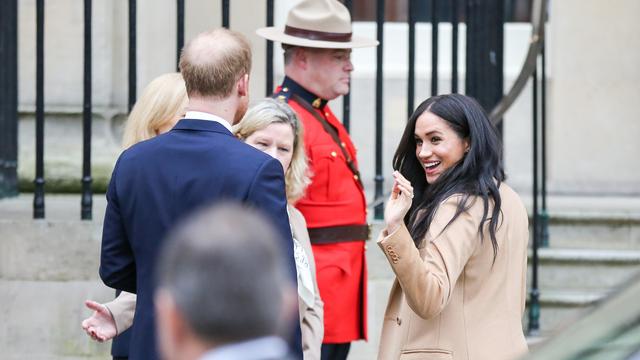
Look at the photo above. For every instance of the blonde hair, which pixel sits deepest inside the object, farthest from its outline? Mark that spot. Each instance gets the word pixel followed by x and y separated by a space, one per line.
pixel 160 102
pixel 270 111
pixel 214 61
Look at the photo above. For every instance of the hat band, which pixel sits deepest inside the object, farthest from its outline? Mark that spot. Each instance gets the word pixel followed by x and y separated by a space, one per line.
pixel 317 35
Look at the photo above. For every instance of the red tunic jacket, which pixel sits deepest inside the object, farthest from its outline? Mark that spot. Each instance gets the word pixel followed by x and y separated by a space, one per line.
pixel 334 197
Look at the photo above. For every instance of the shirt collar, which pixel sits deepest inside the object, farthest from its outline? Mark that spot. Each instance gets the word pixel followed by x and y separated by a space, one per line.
pixel 206 116
pixel 269 347
pixel 289 85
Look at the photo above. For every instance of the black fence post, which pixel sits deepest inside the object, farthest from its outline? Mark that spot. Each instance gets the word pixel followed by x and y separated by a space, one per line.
pixel 8 98
pixel 179 31
pixel 534 296
pixel 454 46
pixel 411 83
pixel 434 47
pixel 346 99
pixel 544 214
pixel 225 13
pixel 133 78
pixel 38 193
pixel 86 201
pixel 269 51
pixel 379 179
pixel 485 23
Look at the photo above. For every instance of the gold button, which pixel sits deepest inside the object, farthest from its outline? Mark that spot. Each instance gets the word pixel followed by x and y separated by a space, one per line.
pixel 343 144
pixel 326 113
pixel 334 154
pixel 355 177
pixel 285 89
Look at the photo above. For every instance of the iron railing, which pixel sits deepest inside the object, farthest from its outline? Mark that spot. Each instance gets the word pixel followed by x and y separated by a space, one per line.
pixel 484 77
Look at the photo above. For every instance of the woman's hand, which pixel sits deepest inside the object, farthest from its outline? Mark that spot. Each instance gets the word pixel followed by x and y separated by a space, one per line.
pixel 100 326
pixel 399 202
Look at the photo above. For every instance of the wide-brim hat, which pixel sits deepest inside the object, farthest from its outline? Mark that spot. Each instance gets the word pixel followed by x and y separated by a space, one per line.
pixel 317 24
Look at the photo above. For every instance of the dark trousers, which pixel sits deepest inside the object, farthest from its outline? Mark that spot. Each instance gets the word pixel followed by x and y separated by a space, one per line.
pixel 335 351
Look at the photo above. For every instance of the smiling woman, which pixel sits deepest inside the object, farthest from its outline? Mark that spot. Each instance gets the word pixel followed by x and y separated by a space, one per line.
pixel 438 146
pixel 456 295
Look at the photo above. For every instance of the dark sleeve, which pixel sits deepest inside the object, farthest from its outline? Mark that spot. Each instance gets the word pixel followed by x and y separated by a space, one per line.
pixel 117 264
pixel 268 194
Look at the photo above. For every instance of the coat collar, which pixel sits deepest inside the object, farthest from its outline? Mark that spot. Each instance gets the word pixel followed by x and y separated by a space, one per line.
pixel 202 125
pixel 290 87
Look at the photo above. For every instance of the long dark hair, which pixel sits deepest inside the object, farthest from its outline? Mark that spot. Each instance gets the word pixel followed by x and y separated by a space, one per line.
pixel 479 173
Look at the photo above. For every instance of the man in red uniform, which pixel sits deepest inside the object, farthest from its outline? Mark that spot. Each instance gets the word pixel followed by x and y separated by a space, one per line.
pixel 317 43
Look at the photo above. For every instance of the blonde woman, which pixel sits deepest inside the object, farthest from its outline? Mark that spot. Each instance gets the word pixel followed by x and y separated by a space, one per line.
pixel 160 106
pixel 271 126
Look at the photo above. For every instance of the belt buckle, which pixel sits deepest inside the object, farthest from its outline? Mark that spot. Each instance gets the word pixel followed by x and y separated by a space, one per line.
pixel 368 231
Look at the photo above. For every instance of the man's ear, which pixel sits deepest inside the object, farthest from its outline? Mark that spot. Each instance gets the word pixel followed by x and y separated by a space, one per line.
pixel 243 85
pixel 301 58
pixel 171 326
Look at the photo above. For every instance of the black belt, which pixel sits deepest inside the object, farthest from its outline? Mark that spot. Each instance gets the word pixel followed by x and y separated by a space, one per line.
pixel 335 234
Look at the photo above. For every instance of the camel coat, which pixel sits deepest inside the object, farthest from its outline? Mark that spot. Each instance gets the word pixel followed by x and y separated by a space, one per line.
pixel 310 317
pixel 448 300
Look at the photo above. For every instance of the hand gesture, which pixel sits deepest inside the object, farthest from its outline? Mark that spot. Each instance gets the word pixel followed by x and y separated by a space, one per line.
pixel 100 326
pixel 399 202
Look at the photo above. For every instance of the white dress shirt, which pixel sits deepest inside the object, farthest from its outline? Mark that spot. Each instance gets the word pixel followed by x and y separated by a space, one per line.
pixel 264 348
pixel 199 115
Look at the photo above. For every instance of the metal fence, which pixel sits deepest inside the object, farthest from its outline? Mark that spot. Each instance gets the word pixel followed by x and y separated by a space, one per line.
pixel 484 79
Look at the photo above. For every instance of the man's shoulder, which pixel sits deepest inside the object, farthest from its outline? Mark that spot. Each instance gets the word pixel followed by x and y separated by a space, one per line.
pixel 243 152
pixel 214 146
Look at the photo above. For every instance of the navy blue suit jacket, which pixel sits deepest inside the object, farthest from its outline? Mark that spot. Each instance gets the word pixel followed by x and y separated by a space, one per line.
pixel 156 183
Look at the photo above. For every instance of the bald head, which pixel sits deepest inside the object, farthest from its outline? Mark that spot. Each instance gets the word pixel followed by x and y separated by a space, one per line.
pixel 213 62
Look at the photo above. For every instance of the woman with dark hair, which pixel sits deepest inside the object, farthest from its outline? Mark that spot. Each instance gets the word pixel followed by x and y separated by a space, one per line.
pixel 456 238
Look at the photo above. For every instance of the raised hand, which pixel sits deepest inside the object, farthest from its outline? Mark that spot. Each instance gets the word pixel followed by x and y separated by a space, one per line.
pixel 100 326
pixel 399 202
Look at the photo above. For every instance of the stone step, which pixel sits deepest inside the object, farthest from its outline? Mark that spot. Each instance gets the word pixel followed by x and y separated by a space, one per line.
pixel 605 230
pixel 559 308
pixel 585 269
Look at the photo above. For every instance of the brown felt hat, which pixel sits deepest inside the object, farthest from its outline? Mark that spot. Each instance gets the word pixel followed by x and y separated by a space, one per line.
pixel 322 24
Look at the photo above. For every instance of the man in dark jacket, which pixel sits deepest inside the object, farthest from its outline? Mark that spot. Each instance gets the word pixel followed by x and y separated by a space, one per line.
pixel 157 182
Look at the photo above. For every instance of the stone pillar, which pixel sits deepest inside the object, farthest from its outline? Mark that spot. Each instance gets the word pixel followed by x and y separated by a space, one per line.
pixel 594 122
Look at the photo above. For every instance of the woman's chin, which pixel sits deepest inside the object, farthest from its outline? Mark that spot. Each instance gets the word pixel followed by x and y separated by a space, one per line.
pixel 432 178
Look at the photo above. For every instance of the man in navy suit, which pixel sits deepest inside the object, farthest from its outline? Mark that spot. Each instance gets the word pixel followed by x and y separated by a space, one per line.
pixel 157 182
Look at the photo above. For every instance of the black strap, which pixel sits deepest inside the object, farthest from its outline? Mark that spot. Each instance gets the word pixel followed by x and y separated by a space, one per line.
pixel 341 233
pixel 333 133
